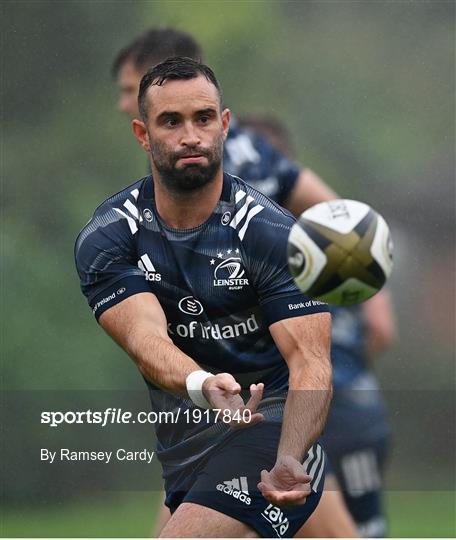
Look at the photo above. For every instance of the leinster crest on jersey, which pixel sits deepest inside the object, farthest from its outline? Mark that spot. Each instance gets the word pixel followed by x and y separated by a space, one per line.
pixel 229 272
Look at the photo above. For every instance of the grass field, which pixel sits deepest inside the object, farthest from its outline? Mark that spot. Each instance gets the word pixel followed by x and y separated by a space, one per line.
pixel 411 514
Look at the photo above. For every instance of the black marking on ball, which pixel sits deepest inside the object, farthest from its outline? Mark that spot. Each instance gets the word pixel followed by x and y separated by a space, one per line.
pixel 321 240
pixel 377 272
pixel 363 225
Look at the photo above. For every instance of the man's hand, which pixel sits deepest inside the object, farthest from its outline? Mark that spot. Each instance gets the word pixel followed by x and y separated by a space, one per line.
pixel 223 392
pixel 286 484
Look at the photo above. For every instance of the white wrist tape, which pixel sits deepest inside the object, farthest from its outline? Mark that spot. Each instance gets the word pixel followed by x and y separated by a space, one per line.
pixel 194 383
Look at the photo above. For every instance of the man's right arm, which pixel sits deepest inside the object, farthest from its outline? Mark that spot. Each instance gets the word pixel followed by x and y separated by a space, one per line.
pixel 139 326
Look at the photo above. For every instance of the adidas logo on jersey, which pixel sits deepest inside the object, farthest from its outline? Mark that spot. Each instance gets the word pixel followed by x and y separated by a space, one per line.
pixel 237 488
pixel 145 264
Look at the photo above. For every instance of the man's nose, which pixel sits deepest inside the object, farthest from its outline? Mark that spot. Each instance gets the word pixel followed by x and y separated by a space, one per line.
pixel 190 135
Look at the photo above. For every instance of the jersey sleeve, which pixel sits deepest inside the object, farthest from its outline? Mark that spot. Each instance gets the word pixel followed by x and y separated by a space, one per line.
pixel 106 261
pixel 266 246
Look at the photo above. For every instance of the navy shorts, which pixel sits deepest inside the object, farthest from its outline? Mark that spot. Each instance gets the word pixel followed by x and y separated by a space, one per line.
pixel 227 482
pixel 356 440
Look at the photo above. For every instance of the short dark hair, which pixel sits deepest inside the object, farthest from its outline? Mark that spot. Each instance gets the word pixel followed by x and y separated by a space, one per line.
pixel 154 46
pixel 174 69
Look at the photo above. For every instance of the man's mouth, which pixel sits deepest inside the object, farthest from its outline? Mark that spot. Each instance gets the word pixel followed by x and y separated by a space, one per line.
pixel 193 158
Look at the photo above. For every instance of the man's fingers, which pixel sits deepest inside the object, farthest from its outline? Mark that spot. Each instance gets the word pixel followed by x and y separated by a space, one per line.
pixel 234 388
pixel 284 501
pixel 284 498
pixel 255 418
pixel 302 477
pixel 299 490
pixel 226 383
pixel 256 395
pixel 229 383
pixel 297 471
pixel 264 475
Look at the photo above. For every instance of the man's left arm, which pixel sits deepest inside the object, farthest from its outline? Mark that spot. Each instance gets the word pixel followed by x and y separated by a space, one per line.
pixel 304 342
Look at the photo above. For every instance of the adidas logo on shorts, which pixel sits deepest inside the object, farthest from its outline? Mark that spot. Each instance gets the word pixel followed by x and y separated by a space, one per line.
pixel 237 488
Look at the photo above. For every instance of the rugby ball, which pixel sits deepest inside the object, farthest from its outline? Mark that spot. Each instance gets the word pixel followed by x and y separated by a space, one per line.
pixel 340 252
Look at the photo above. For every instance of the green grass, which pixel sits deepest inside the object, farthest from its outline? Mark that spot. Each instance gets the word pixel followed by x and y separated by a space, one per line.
pixel 411 514
pixel 421 514
pixel 112 515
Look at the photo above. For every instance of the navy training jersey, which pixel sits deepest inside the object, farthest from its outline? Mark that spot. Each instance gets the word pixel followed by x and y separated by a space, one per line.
pixel 220 285
pixel 251 157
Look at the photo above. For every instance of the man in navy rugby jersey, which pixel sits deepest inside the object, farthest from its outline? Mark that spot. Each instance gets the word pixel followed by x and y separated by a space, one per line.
pixel 186 269
pixel 249 155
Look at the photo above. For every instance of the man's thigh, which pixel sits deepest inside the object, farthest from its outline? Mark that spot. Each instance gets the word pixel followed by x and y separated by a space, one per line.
pixel 192 520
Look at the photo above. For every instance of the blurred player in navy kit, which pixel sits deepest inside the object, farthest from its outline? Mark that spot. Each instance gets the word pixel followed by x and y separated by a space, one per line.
pixel 250 156
pixel 357 431
pixel 223 327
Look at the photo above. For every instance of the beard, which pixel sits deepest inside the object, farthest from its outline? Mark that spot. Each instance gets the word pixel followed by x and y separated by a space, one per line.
pixel 190 177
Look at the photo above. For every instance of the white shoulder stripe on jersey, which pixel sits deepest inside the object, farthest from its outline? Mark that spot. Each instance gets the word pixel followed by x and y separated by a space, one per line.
pixel 239 216
pixel 239 196
pixel 130 220
pixel 241 213
pixel 252 213
pixel 132 209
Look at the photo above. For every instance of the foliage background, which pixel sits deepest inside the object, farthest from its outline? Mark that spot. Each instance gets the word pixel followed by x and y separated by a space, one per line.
pixel 367 90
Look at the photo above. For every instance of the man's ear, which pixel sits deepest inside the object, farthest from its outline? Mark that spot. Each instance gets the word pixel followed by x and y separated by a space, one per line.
pixel 226 116
pixel 140 131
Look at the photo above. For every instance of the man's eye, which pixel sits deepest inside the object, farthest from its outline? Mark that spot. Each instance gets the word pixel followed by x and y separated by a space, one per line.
pixel 204 119
pixel 171 122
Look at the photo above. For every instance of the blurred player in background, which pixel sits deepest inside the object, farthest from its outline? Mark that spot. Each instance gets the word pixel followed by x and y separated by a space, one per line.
pixel 357 431
pixel 249 155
